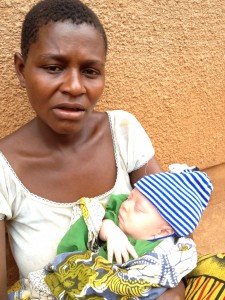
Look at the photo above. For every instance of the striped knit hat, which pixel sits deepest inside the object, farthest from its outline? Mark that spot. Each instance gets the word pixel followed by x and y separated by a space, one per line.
pixel 179 197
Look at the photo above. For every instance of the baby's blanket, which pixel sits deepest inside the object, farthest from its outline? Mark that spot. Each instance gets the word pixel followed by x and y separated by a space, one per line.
pixel 86 275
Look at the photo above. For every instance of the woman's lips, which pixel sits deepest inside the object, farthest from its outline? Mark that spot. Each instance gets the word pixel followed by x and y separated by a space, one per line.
pixel 69 112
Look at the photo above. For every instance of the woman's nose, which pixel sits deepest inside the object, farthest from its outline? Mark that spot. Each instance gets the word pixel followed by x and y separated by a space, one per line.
pixel 73 83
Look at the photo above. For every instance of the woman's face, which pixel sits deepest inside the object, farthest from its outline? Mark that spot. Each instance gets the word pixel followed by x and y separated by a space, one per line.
pixel 64 74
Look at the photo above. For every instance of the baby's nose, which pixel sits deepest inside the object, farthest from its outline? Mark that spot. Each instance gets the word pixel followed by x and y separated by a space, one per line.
pixel 126 205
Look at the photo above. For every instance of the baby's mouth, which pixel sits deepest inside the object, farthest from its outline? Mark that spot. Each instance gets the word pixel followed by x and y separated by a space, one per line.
pixel 120 218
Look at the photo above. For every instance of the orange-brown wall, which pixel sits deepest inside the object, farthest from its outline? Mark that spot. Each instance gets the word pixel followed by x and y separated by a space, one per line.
pixel 165 65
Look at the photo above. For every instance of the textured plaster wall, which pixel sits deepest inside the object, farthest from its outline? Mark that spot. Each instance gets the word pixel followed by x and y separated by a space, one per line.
pixel 165 65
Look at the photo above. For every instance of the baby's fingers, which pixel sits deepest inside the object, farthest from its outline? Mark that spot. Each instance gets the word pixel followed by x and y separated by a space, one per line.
pixel 126 252
pixel 110 254
pixel 125 255
pixel 118 257
pixel 132 251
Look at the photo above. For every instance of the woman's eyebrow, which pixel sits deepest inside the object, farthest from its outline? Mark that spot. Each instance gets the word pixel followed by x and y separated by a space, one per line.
pixel 61 57
pixel 51 55
pixel 94 62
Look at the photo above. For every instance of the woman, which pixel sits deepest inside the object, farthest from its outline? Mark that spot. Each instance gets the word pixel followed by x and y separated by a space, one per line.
pixel 68 150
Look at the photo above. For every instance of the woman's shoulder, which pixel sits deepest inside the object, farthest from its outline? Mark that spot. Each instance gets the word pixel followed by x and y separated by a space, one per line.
pixel 122 119
pixel 12 144
pixel 125 123
pixel 11 140
pixel 120 114
pixel 8 143
pixel 9 146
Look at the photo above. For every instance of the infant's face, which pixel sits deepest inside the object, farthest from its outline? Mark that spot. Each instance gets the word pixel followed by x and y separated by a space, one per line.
pixel 139 218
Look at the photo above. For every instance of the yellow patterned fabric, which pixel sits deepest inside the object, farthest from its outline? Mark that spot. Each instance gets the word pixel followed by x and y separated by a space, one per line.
pixel 93 213
pixel 207 280
pixel 90 276
pixel 84 274
pixel 87 275
pixel 16 292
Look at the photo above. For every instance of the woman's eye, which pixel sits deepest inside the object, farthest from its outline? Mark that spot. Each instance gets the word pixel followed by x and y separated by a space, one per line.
pixel 91 72
pixel 53 68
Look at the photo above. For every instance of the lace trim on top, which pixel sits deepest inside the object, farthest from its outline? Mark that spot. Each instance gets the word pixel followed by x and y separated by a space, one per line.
pixel 54 203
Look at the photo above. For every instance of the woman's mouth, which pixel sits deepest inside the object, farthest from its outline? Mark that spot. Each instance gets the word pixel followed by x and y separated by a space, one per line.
pixel 70 112
pixel 70 109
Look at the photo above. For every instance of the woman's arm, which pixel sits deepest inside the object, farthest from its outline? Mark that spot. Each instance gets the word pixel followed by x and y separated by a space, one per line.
pixel 3 284
pixel 177 293
pixel 151 167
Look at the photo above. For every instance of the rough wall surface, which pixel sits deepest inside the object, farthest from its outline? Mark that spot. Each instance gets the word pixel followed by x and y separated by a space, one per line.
pixel 165 65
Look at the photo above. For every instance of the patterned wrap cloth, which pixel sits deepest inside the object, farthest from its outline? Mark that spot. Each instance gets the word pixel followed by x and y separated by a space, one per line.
pixel 86 275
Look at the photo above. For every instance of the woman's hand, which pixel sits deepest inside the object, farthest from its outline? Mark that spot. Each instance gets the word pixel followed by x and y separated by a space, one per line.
pixel 177 293
pixel 118 245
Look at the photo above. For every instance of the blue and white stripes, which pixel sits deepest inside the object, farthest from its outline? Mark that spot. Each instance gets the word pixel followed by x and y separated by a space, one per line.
pixel 179 197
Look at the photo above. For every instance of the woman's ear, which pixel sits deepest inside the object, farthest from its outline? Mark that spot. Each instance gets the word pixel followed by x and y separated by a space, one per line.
pixel 19 67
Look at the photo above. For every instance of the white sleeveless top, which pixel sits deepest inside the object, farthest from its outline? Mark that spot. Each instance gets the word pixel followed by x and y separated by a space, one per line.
pixel 36 225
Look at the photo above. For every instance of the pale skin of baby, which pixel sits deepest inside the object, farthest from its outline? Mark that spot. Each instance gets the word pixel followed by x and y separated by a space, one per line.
pixel 65 65
pixel 139 219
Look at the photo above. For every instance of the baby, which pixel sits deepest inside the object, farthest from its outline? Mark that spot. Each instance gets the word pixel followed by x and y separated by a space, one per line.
pixel 150 225
pixel 161 205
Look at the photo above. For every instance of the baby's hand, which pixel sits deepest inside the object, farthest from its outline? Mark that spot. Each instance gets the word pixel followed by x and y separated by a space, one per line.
pixel 118 245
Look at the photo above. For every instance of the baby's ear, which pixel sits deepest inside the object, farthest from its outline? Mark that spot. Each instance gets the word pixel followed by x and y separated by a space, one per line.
pixel 166 230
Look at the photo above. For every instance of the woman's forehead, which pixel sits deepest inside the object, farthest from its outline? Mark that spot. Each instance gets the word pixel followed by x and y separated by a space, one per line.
pixel 59 37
